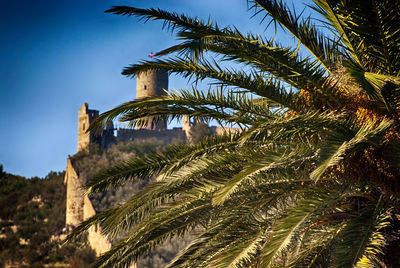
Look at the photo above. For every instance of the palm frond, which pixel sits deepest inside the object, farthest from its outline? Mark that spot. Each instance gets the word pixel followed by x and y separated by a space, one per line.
pixel 243 252
pixel 282 63
pixel 317 250
pixel 285 229
pixel 221 239
pixel 309 180
pixel 171 159
pixel 335 21
pixel 254 82
pixel 326 51
pixel 363 240
pixel 337 148
pixel 302 126
pixel 265 162
pixel 174 219
pixel 170 19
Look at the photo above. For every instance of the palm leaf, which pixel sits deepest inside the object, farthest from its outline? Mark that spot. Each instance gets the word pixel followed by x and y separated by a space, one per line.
pixel 363 240
pixel 332 155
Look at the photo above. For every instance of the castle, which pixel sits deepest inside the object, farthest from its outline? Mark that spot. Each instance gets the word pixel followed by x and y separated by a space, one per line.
pixel 78 205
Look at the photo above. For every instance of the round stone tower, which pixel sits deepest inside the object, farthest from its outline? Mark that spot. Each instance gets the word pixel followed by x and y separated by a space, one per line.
pixel 150 84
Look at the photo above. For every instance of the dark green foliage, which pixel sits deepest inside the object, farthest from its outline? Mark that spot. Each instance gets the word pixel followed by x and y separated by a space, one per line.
pixel 75 254
pixel 33 210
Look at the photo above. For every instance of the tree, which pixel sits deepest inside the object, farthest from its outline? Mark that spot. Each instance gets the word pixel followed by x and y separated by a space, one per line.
pixel 312 180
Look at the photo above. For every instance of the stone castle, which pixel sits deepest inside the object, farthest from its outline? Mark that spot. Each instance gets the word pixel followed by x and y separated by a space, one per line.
pixel 78 205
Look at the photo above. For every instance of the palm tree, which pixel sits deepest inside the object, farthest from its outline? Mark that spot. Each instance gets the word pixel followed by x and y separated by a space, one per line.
pixel 313 177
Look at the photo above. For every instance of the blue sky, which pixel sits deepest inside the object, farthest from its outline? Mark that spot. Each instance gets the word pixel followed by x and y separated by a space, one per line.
pixel 56 55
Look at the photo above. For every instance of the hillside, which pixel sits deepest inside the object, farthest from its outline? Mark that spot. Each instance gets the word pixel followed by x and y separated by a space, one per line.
pixel 32 215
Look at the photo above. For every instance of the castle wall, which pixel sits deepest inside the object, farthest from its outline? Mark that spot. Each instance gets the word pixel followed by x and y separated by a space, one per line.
pixel 222 130
pixel 98 242
pixel 75 194
pixel 79 208
pixel 166 135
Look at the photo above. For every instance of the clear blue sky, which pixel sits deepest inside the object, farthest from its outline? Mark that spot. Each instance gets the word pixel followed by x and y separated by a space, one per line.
pixel 56 55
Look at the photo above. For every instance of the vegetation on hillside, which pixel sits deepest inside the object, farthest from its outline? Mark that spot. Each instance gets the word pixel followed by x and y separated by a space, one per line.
pixel 32 215
pixel 90 164
pixel 97 160
pixel 32 219
pixel 312 181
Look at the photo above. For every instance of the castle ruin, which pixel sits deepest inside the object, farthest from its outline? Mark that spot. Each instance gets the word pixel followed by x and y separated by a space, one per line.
pixel 78 205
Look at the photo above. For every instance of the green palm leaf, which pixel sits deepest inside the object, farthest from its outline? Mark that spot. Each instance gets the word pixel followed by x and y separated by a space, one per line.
pixel 362 242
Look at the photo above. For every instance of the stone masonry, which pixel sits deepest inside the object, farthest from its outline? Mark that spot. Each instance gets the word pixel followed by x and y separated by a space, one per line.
pixel 85 118
pixel 79 208
pixel 75 196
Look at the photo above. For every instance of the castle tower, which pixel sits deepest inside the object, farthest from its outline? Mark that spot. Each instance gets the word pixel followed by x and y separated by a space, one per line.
pixel 150 84
pixel 85 117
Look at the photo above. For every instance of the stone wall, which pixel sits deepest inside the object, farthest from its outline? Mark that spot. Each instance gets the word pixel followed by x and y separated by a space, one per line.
pixel 97 241
pixel 75 194
pixel 223 130
pixel 79 208
pixel 166 136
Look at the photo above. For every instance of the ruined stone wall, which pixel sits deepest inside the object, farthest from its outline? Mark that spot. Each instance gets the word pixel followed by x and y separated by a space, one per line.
pixel 75 194
pixel 79 208
pixel 223 130
pixel 97 241
pixel 167 135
